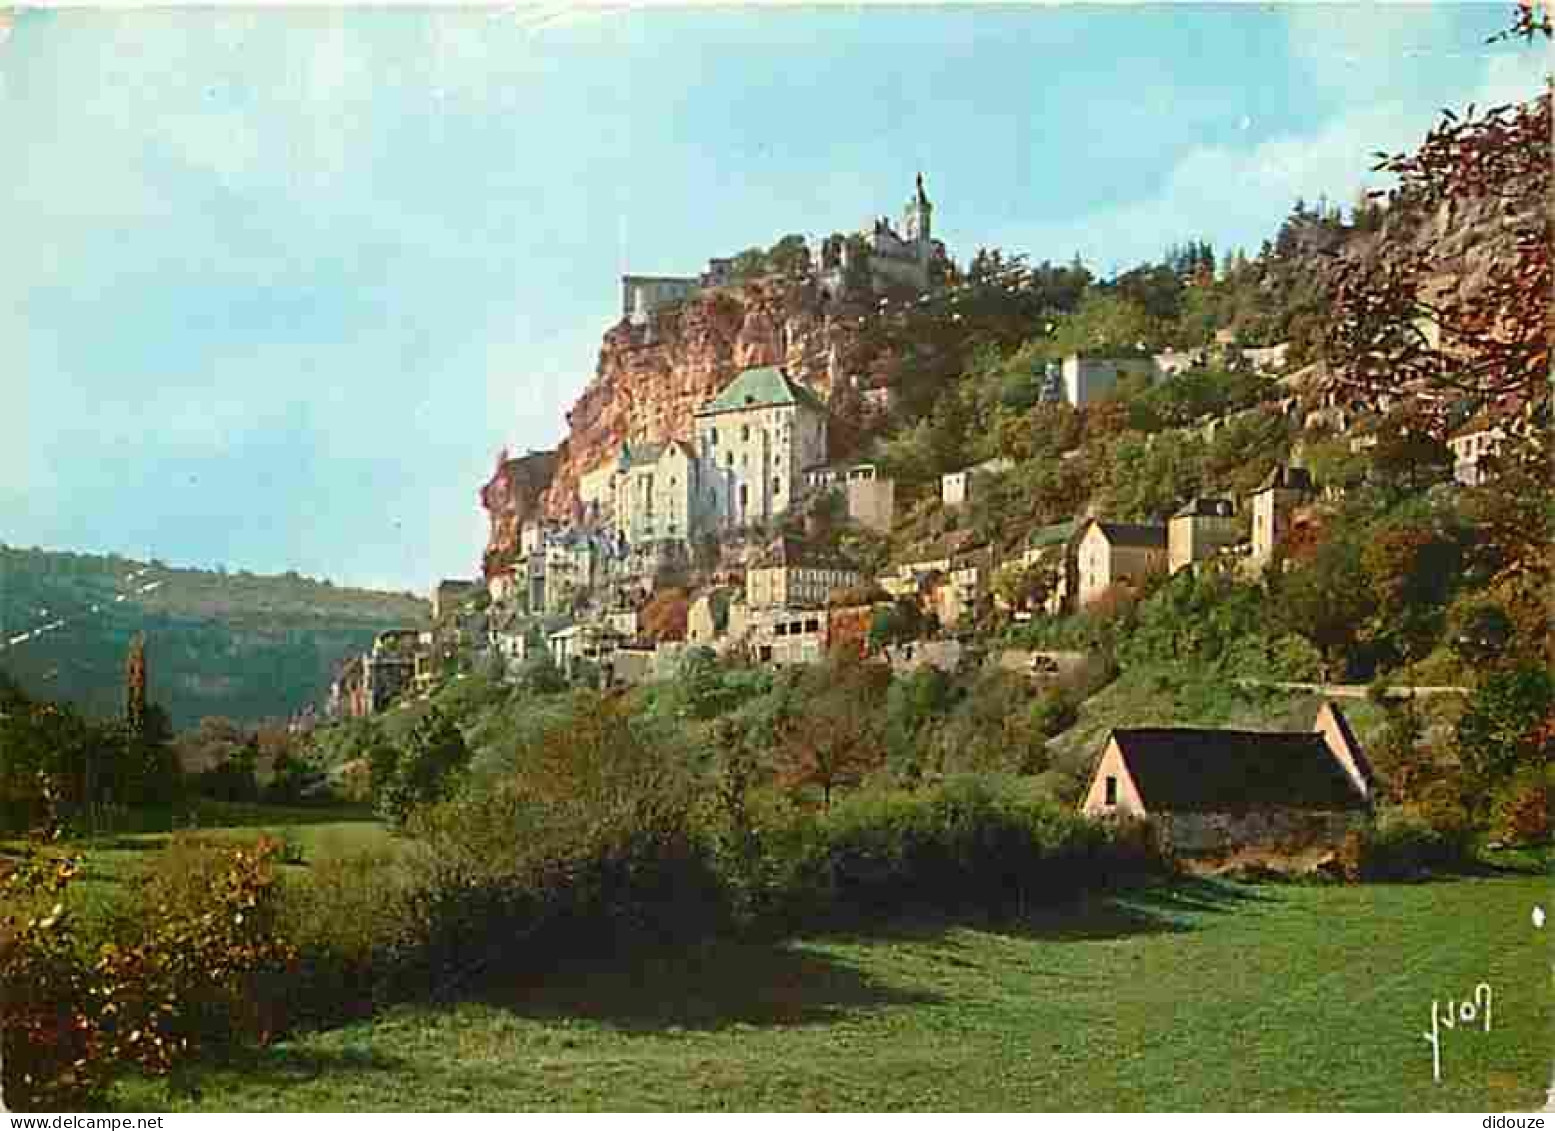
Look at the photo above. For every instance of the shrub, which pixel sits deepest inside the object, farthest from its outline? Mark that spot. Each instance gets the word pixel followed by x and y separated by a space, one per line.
pixel 198 967
pixel 1521 813
pixel 343 918
pixel 1400 844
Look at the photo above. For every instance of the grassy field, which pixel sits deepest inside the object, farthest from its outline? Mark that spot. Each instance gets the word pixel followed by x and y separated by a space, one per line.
pixel 112 861
pixel 1208 995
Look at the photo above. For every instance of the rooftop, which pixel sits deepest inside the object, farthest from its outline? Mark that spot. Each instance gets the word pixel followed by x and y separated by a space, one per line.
pixel 1135 534
pixel 1181 769
pixel 759 388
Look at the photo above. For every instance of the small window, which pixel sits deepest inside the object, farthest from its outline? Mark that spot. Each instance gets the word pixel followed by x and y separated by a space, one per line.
pixel 745 432
pixel 1112 791
pixel 777 485
pixel 715 437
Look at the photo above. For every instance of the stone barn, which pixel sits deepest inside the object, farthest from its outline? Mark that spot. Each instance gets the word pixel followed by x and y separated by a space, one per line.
pixel 1217 792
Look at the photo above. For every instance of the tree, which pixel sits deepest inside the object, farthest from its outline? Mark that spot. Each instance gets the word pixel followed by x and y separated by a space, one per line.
pixel 1509 725
pixel 831 745
pixel 433 755
pixel 135 685
pixel 1326 600
pixel 1403 318
pixel 1023 587
pixel 789 256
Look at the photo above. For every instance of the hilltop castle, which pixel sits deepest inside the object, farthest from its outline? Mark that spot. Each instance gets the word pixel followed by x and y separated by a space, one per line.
pixel 892 257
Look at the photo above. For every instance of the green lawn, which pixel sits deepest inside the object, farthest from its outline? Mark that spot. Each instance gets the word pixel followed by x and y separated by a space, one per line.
pixel 1206 996
pixel 112 861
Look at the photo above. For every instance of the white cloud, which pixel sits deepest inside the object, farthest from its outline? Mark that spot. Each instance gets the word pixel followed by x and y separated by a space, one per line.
pixel 1237 196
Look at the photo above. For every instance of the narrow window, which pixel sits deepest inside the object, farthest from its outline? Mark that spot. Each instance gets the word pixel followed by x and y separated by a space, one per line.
pixel 1112 790
pixel 777 485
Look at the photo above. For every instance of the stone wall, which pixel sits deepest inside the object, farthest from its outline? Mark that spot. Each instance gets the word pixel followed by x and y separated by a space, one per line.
pixel 1208 834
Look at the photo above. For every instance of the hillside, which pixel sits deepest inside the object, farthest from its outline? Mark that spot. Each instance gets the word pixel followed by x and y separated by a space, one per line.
pixel 239 645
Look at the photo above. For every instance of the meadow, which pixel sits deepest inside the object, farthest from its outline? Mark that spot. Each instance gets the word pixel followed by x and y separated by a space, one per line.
pixel 1202 994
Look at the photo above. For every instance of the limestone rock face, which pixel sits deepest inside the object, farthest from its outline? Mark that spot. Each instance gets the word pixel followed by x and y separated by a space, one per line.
pixel 512 496
pixel 651 379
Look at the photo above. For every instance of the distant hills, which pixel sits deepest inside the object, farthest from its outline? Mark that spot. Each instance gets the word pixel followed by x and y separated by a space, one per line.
pixel 240 645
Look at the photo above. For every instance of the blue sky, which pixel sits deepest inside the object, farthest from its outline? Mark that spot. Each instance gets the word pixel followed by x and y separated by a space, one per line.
pixel 278 284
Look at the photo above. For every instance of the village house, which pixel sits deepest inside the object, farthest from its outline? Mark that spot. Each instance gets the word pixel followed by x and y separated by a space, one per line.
pixel 910 656
pixel 656 488
pixel 1199 529
pixel 868 496
pixel 961 589
pixel 1218 791
pixel 1087 378
pixel 1117 553
pixel 449 594
pixel 792 575
pixel 785 636
pixel 1477 441
pixel 956 487
pixel 1273 504
pixel 708 617
pixel 581 642
pixel 754 439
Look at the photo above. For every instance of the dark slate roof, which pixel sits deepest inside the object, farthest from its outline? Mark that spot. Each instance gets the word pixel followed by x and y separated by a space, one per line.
pixel 1135 534
pixel 1202 507
pixel 1184 770
pixel 756 388
pixel 1287 478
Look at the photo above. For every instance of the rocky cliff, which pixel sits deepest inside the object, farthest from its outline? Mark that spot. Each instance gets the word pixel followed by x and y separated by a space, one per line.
pixel 512 496
pixel 651 379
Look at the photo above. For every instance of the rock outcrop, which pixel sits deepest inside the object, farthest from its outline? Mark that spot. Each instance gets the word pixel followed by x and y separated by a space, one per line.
pixel 651 379
pixel 512 496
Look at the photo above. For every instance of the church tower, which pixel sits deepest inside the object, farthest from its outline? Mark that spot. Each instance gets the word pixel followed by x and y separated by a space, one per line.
pixel 917 221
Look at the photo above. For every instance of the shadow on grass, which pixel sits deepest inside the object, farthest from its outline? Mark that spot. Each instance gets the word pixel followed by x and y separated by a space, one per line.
pixel 712 985
pixel 285 1065
pixel 1167 907
pixel 722 982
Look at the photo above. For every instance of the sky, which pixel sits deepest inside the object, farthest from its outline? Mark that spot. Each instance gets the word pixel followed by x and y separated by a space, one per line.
pixel 277 285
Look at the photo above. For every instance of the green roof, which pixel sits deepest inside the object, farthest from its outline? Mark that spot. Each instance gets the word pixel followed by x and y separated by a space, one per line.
pixel 758 388
pixel 1052 535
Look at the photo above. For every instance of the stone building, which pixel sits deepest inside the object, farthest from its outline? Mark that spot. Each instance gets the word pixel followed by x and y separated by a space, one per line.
pixel 754 440
pixel 892 258
pixel 1088 378
pixel 868 496
pixel 1199 529
pixel 790 574
pixel 657 488
pixel 1114 553
pixel 1478 440
pixel 957 487
pixel 644 295
pixel 1276 499
pixel 449 594
pixel 1220 791
pixel 785 636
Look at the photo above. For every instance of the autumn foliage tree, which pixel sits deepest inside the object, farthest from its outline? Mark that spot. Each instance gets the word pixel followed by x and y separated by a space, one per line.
pixel 1409 313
